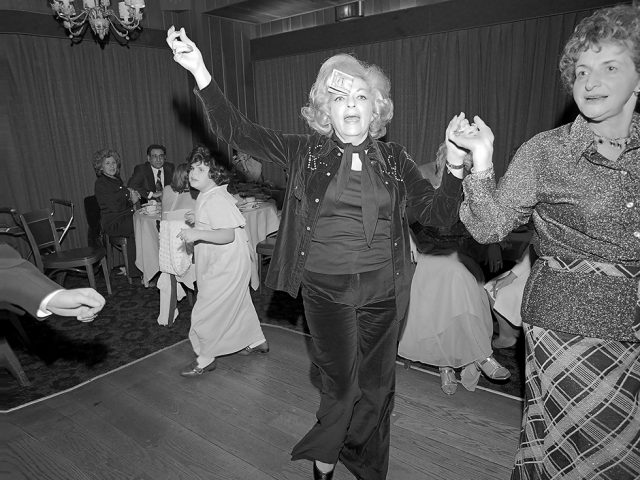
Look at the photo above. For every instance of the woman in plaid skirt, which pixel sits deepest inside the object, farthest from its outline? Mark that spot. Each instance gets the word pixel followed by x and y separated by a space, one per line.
pixel 580 184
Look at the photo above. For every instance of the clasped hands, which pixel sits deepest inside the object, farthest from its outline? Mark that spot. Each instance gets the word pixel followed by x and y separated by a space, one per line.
pixel 134 195
pixel 82 303
pixel 463 137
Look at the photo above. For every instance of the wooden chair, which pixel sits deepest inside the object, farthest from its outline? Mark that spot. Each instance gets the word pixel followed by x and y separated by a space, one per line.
pixel 11 312
pixel 121 244
pixel 17 229
pixel 264 249
pixel 39 224
pixel 8 358
pixel 62 226
pixel 97 236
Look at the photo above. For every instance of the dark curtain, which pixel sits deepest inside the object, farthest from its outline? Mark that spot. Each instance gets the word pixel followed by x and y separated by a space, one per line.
pixel 505 73
pixel 62 103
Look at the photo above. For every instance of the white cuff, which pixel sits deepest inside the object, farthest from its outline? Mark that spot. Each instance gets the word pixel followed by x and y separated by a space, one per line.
pixel 42 309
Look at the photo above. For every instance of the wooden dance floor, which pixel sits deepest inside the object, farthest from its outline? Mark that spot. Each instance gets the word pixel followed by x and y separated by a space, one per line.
pixel 145 422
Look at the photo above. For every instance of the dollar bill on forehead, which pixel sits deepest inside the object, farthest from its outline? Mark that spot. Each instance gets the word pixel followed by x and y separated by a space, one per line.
pixel 340 82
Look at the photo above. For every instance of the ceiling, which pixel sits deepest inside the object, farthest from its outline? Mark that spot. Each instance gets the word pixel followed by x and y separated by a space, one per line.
pixel 263 11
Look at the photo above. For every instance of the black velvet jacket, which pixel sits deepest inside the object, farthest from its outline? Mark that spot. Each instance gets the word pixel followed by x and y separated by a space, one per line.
pixel 311 161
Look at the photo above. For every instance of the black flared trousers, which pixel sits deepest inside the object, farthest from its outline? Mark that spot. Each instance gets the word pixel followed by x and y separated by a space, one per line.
pixel 354 329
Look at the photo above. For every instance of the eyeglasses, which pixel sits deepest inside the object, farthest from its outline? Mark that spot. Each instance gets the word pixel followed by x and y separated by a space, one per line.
pixel 161 156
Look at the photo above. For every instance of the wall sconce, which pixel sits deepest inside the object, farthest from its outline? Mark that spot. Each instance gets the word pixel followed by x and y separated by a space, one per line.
pixel 349 11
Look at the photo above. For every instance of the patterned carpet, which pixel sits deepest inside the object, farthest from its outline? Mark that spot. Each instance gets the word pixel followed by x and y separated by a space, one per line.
pixel 65 353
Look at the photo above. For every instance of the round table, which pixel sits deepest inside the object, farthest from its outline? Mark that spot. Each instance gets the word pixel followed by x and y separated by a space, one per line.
pixel 262 219
pixel 147 244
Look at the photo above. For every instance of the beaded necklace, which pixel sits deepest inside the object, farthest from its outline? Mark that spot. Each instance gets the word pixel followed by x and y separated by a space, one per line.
pixel 620 142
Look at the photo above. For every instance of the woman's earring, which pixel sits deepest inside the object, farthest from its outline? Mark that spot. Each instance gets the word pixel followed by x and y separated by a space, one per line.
pixel 636 92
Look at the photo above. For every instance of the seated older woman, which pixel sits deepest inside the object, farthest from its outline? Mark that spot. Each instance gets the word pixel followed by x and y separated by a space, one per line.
pixel 116 202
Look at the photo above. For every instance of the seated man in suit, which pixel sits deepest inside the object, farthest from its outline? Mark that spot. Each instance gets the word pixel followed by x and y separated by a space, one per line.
pixel 149 178
pixel 22 284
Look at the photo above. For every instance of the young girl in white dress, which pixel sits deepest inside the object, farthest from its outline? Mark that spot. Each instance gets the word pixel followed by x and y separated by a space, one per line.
pixel 223 319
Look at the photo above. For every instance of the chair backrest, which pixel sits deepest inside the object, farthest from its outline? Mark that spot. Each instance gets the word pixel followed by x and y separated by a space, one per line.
pixel 68 222
pixel 92 212
pixel 20 221
pixel 43 229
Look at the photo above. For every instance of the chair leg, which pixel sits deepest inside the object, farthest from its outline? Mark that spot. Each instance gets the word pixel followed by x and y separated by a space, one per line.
pixel 91 275
pixel 260 273
pixel 108 249
pixel 8 358
pixel 24 338
pixel 173 299
pixel 126 262
pixel 105 272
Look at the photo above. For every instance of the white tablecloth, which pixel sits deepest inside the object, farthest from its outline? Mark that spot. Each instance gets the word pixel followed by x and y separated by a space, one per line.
pixel 147 244
pixel 261 221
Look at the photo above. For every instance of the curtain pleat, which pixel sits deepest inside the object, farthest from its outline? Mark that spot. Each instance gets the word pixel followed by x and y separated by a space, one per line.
pixel 66 102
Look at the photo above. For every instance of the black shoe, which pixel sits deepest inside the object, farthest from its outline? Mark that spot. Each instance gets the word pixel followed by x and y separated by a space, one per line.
pixel 262 348
pixel 193 370
pixel 318 475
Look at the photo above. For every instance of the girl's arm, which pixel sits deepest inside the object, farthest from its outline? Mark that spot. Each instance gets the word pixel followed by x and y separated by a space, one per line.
pixel 220 236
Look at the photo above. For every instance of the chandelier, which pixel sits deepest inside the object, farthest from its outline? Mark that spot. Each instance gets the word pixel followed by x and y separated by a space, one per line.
pixel 101 18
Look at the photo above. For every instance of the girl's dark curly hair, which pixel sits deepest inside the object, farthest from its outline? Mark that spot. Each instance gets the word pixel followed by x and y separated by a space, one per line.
pixel 619 24
pixel 217 172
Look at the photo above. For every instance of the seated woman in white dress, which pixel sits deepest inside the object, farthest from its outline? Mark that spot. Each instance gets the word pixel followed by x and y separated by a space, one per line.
pixel 177 200
pixel 449 322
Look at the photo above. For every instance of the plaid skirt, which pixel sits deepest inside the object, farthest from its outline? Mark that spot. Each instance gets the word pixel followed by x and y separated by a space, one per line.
pixel 581 416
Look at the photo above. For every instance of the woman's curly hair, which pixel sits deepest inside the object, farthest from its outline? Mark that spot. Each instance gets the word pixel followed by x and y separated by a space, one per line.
pixel 217 172
pixel 619 24
pixel 316 112
pixel 100 156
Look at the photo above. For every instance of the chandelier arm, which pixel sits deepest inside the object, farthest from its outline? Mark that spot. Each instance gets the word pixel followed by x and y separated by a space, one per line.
pixel 117 31
pixel 119 23
pixel 77 30
pixel 75 19
pixel 97 17
pixel 79 19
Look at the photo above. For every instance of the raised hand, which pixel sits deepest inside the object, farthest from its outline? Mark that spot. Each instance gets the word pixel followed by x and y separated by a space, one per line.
pixel 187 54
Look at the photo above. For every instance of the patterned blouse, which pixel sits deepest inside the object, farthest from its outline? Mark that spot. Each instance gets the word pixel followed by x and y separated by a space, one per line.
pixel 583 206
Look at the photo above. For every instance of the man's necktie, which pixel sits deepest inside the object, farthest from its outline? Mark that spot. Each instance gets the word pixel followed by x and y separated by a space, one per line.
pixel 159 181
